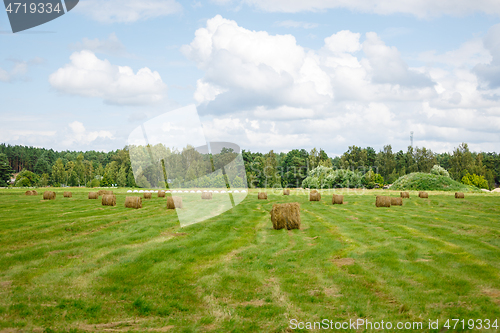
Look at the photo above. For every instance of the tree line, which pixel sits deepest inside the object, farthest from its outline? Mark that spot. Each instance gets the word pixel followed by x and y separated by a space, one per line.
pixel 46 167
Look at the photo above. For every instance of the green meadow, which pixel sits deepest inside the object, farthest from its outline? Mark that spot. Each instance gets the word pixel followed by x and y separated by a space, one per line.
pixel 73 265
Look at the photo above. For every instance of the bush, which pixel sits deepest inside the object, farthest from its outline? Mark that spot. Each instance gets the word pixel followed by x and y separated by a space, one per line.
pixel 475 180
pixel 439 171
pixel 26 179
pixel 323 177
pixel 419 181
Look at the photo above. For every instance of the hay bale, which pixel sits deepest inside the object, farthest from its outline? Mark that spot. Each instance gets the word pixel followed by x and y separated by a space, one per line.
pixel 262 196
pixel 68 195
pixel 286 191
pixel 314 196
pixel 383 201
pixel 93 195
pixel 49 195
pixel 161 194
pixel 101 192
pixel 286 215
pixel 147 195
pixel 405 195
pixel 423 195
pixel 108 193
pixel 133 202
pixel 108 200
pixel 206 195
pixel 28 193
pixel 395 201
pixel 34 192
pixel 459 195
pixel 174 202
pixel 337 199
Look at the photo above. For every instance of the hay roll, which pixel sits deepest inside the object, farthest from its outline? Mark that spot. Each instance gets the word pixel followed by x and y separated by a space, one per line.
pixel 101 192
pixel 147 195
pixel 337 199
pixel 286 192
pixel 34 192
pixel 28 193
pixel 133 202
pixel 314 196
pixel 206 195
pixel 174 202
pixel 423 195
pixel 93 195
pixel 396 201
pixel 286 216
pixel 405 195
pixel 68 195
pixel 262 196
pixel 383 201
pixel 161 194
pixel 49 195
pixel 459 195
pixel 108 200
pixel 108 193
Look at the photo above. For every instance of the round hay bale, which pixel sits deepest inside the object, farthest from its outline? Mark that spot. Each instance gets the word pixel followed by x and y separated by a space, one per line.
pixel 459 195
pixel 28 193
pixel 395 201
pixel 68 195
pixel 147 195
pixel 405 195
pixel 101 192
pixel 286 215
pixel 174 202
pixel 423 195
pixel 34 192
pixel 207 195
pixel 286 191
pixel 133 202
pixel 337 199
pixel 161 194
pixel 109 200
pixel 49 195
pixel 93 195
pixel 262 196
pixel 314 196
pixel 108 193
pixel 383 201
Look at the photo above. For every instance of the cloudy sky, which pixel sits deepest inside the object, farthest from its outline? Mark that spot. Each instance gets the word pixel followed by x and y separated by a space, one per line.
pixel 264 74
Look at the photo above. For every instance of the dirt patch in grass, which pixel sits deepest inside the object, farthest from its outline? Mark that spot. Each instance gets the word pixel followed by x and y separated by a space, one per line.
pixel 5 284
pixel 339 262
pixel 494 294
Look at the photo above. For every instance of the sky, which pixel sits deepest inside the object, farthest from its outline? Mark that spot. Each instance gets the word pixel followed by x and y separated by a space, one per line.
pixel 273 74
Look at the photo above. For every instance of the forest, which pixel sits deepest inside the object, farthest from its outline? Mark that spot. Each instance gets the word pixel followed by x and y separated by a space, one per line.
pixel 188 168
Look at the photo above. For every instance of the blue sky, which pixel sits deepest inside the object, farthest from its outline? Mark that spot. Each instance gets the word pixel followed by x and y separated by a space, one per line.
pixel 266 75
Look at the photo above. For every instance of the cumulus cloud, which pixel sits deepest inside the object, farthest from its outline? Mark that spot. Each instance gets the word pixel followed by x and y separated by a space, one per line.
pixel 419 8
pixel 112 11
pixel 88 76
pixel 260 88
pixel 112 45
pixel 489 74
pixel 81 136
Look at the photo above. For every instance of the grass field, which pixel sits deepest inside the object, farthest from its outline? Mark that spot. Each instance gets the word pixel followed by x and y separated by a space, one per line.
pixel 72 265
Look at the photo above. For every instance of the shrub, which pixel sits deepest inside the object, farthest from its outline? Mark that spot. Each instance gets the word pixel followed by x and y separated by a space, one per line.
pixel 475 180
pixel 26 179
pixel 323 177
pixel 439 171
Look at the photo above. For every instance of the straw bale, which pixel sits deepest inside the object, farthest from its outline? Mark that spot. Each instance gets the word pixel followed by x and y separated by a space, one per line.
pixel 67 194
pixel 286 191
pixel 133 202
pixel 161 194
pixel 148 195
pixel 286 215
pixel 108 200
pixel 314 196
pixel 262 196
pixel 423 195
pixel 405 195
pixel 174 202
pixel 459 195
pixel 206 195
pixel 49 195
pixel 337 199
pixel 93 195
pixel 396 201
pixel 383 201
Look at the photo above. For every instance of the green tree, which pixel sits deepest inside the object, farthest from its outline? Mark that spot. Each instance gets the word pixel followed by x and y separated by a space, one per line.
pixel 5 171
pixel 26 179
pixel 58 172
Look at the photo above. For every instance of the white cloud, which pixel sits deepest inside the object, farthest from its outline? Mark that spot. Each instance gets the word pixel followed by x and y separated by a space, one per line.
pixel 264 90
pixel 419 8
pixel 111 45
pixel 111 11
pixel 80 136
pixel 296 24
pixel 489 74
pixel 18 70
pixel 89 76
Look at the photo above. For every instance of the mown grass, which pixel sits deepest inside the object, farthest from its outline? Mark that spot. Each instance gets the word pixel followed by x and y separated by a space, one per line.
pixel 72 265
